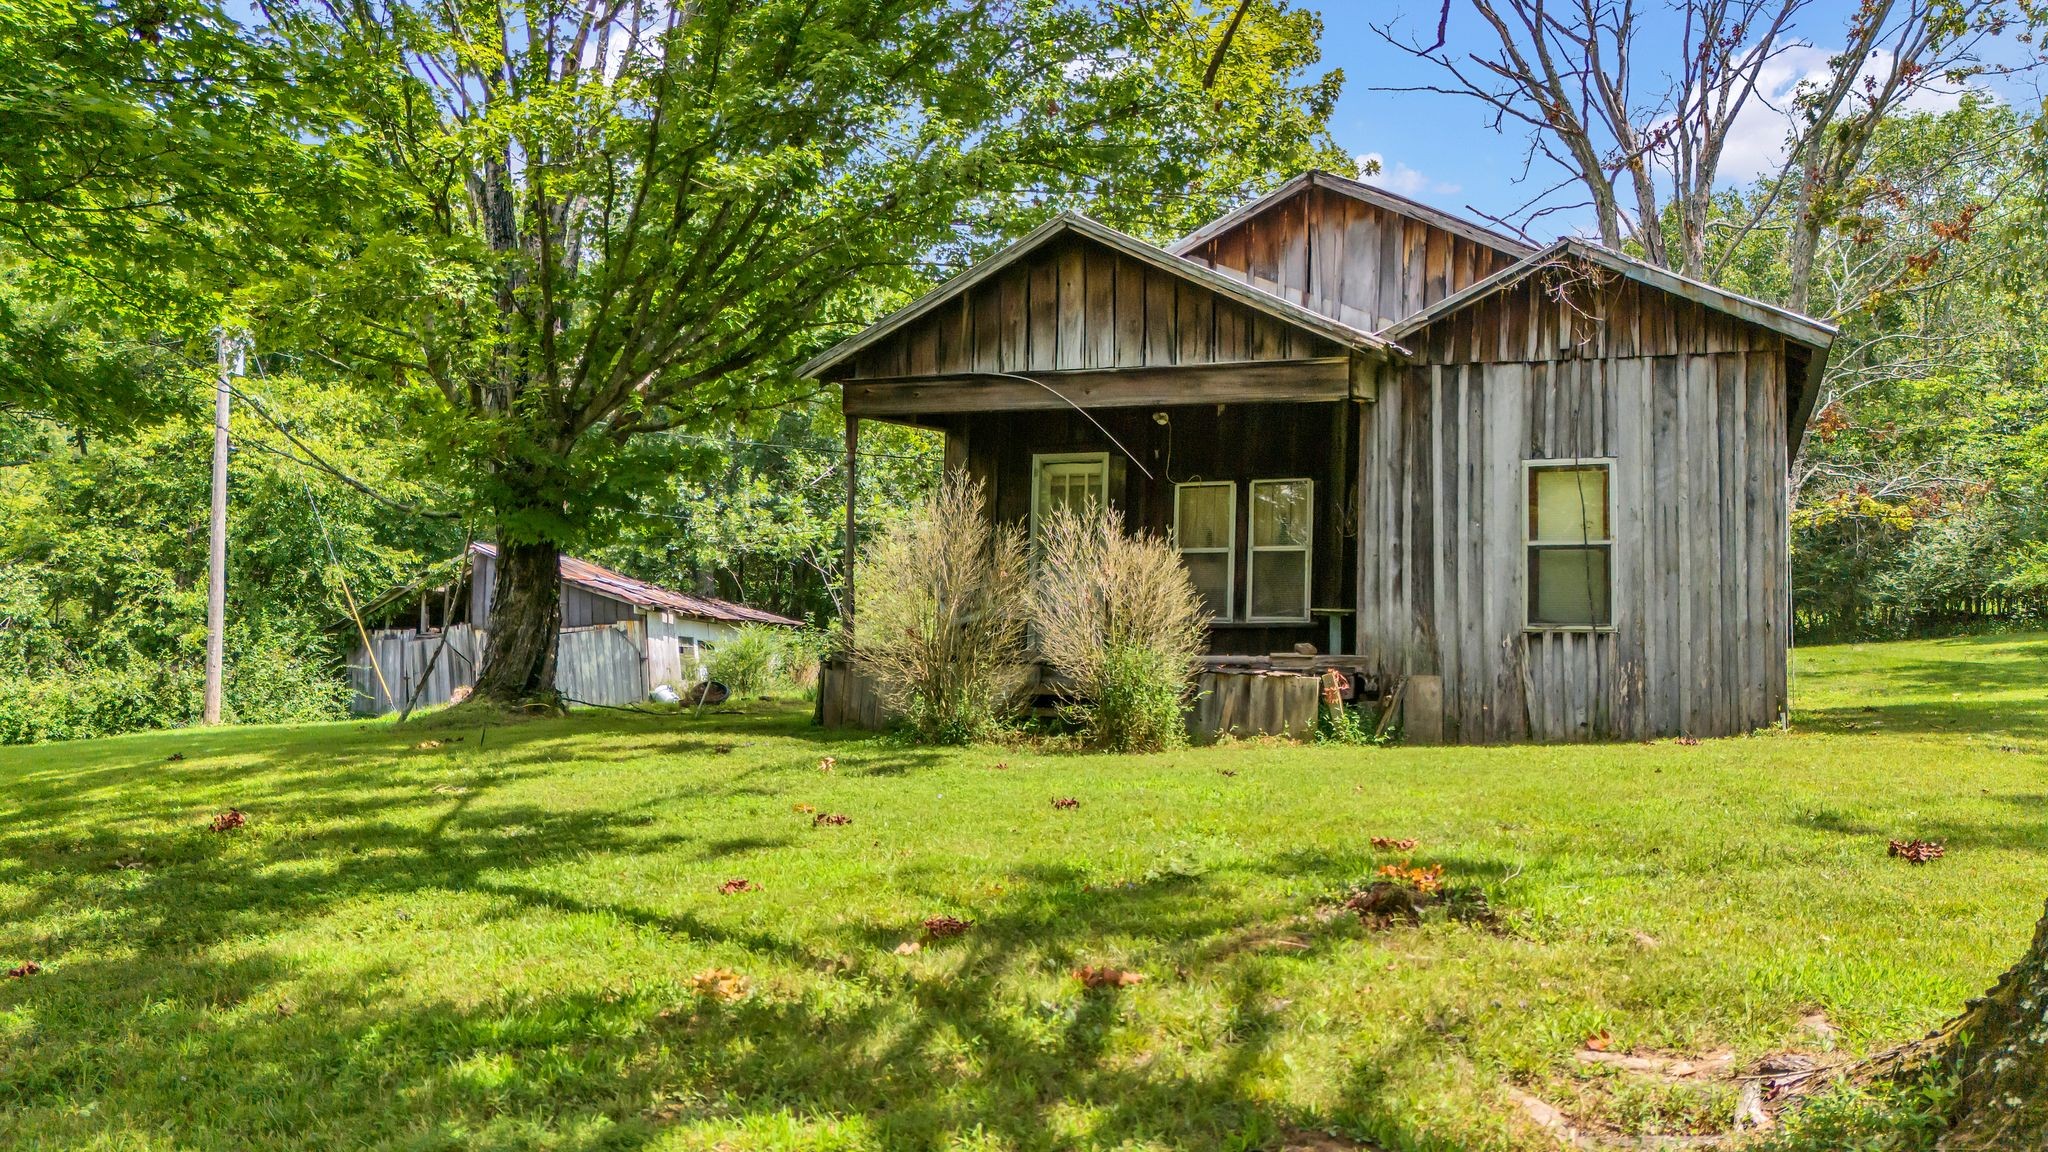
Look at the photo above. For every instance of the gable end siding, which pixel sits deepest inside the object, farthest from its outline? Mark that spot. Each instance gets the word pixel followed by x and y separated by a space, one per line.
pixel 1357 263
pixel 1077 305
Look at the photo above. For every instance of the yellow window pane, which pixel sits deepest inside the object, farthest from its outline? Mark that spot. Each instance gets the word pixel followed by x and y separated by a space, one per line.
pixel 1202 516
pixel 1280 513
pixel 1210 572
pixel 1280 585
pixel 1567 505
pixel 1568 587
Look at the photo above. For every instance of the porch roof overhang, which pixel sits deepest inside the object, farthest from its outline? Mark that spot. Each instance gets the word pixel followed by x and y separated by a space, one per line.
pixel 1319 379
pixel 1354 340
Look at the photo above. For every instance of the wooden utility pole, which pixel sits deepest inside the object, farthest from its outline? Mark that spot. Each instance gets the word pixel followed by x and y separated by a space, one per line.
pixel 229 349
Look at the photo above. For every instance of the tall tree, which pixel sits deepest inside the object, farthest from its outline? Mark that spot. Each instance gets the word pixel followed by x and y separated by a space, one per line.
pixel 1640 122
pixel 595 221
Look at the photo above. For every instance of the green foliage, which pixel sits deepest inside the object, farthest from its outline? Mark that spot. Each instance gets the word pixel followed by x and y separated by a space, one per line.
pixel 1137 702
pixel 1338 724
pixel 1923 478
pixel 1874 1118
pixel 140 695
pixel 752 659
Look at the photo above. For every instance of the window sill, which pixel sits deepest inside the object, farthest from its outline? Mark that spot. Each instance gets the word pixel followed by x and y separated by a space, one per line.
pixel 1539 629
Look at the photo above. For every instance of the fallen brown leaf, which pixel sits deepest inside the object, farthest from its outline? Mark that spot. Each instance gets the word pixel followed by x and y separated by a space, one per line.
pixel 1103 976
pixel 175 757
pixel 736 885
pixel 427 745
pixel 1917 851
pixel 832 819
pixel 909 948
pixel 1065 802
pixel 720 984
pixel 805 809
pixel 827 764
pixel 23 970
pixel 1599 1041
pixel 945 927
pixel 1393 844
pixel 228 821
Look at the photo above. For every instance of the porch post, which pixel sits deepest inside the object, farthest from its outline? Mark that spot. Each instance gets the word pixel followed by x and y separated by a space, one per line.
pixel 852 491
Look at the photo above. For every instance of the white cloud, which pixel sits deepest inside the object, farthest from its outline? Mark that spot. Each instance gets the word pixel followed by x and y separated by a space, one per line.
pixel 1400 178
pixel 1756 143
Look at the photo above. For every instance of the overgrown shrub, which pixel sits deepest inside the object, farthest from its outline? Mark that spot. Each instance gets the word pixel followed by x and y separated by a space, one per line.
pixel 99 702
pixel 1118 616
pixel 750 660
pixel 270 678
pixel 281 678
pixel 939 615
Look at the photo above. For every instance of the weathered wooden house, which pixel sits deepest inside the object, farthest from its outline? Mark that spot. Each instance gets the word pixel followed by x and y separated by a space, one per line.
pixel 1547 485
pixel 620 637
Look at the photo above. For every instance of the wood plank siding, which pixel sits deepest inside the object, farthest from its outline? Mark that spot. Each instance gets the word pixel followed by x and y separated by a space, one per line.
pixel 1690 404
pixel 1074 304
pixel 1358 263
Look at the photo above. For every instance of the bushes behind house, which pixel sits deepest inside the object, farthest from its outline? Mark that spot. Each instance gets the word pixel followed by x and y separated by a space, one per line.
pixel 940 611
pixel 1116 614
pixel 766 658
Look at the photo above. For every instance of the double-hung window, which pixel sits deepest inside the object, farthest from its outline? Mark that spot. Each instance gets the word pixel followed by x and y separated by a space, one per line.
pixel 1570 543
pixel 1278 560
pixel 1205 531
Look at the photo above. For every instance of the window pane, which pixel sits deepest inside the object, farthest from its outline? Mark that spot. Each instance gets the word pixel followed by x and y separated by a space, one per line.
pixel 1567 505
pixel 1203 519
pixel 1069 485
pixel 1211 574
pixel 1568 586
pixel 1280 513
pixel 1280 584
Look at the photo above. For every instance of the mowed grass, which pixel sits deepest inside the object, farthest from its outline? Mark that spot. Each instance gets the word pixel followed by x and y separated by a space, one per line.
pixel 496 943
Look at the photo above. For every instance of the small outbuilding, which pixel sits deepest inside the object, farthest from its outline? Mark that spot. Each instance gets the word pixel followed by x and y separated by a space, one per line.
pixel 620 637
pixel 1546 488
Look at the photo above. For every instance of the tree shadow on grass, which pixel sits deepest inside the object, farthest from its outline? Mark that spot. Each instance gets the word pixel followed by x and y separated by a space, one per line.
pixel 168 1012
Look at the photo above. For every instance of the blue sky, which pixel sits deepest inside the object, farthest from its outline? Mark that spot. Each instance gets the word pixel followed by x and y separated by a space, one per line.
pixel 1443 150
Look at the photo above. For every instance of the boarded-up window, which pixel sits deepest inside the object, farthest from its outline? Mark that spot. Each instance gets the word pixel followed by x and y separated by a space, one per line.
pixel 1282 530
pixel 1570 544
pixel 1205 531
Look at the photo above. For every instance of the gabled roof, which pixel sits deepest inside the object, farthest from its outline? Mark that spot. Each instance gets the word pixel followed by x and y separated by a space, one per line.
pixel 1370 194
pixel 605 582
pixel 1073 223
pixel 1791 325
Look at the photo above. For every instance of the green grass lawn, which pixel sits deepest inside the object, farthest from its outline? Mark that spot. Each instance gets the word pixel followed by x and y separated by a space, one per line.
pixel 495 943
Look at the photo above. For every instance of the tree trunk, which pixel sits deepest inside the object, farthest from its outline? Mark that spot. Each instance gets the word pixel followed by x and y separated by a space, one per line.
pixel 526 622
pixel 2000 1046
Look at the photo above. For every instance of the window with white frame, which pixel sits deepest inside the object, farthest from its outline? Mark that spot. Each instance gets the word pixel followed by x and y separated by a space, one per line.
pixel 1280 555
pixel 1070 480
pixel 1570 543
pixel 1205 531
